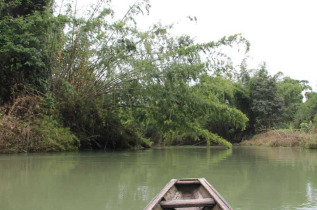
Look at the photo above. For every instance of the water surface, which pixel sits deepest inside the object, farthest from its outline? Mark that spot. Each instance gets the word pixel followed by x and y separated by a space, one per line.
pixel 247 177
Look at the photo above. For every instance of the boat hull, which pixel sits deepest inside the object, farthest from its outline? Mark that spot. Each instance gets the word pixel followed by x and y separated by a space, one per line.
pixel 193 194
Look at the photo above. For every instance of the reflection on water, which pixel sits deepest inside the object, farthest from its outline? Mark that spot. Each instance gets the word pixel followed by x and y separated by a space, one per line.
pixel 247 177
pixel 311 195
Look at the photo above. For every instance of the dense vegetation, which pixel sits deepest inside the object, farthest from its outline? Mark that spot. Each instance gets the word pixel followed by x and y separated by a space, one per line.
pixel 94 82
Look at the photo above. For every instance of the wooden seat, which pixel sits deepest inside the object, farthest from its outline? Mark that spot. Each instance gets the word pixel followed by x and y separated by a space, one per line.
pixel 188 182
pixel 188 203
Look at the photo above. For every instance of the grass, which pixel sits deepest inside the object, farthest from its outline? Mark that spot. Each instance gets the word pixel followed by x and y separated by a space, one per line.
pixel 284 138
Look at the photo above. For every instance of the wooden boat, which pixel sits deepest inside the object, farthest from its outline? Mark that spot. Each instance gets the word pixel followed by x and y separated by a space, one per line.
pixel 191 194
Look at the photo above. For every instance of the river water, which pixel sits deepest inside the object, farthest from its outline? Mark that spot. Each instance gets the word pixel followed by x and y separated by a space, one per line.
pixel 247 177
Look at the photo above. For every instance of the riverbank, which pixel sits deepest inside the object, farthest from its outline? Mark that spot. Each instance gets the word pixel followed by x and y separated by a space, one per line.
pixel 284 138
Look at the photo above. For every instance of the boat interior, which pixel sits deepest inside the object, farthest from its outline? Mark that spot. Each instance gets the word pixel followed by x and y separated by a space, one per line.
pixel 187 195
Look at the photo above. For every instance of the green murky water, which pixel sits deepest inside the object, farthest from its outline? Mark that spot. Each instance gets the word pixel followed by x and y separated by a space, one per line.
pixel 247 177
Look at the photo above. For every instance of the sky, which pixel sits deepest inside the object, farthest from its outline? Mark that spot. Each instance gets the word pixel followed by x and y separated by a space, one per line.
pixel 282 33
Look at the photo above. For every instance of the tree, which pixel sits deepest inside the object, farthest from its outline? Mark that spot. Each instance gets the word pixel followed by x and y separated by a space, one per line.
pixel 266 104
pixel 290 90
pixel 23 50
pixel 307 111
pixel 136 84
pixel 228 124
pixel 22 8
pixel 181 99
pixel 113 84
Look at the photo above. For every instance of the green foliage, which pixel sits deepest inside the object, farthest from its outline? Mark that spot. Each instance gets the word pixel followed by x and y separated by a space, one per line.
pixel 17 8
pixel 307 127
pixel 171 110
pixel 225 119
pixel 115 86
pixel 290 91
pixel 270 101
pixel 23 50
pixel 211 137
pixel 28 127
pixel 266 103
pixel 49 135
pixel 307 111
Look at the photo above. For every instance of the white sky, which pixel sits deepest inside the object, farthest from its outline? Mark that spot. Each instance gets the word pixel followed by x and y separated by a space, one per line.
pixel 282 33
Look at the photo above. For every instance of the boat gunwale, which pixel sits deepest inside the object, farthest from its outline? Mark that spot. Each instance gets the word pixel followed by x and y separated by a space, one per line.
pixel 159 196
pixel 215 194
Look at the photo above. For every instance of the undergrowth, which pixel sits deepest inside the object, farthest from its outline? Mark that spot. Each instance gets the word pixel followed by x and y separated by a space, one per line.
pixel 284 138
pixel 28 125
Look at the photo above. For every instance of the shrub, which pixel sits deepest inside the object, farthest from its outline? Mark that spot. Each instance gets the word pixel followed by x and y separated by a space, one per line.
pixel 284 138
pixel 27 127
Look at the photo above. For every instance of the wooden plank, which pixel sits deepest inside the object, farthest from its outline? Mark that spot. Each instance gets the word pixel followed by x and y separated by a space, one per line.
pixel 188 179
pixel 159 196
pixel 215 195
pixel 188 203
pixel 197 194
pixel 171 193
pixel 187 182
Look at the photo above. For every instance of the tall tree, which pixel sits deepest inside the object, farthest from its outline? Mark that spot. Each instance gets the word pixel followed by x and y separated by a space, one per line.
pixel 266 103
pixel 23 53
pixel 290 90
